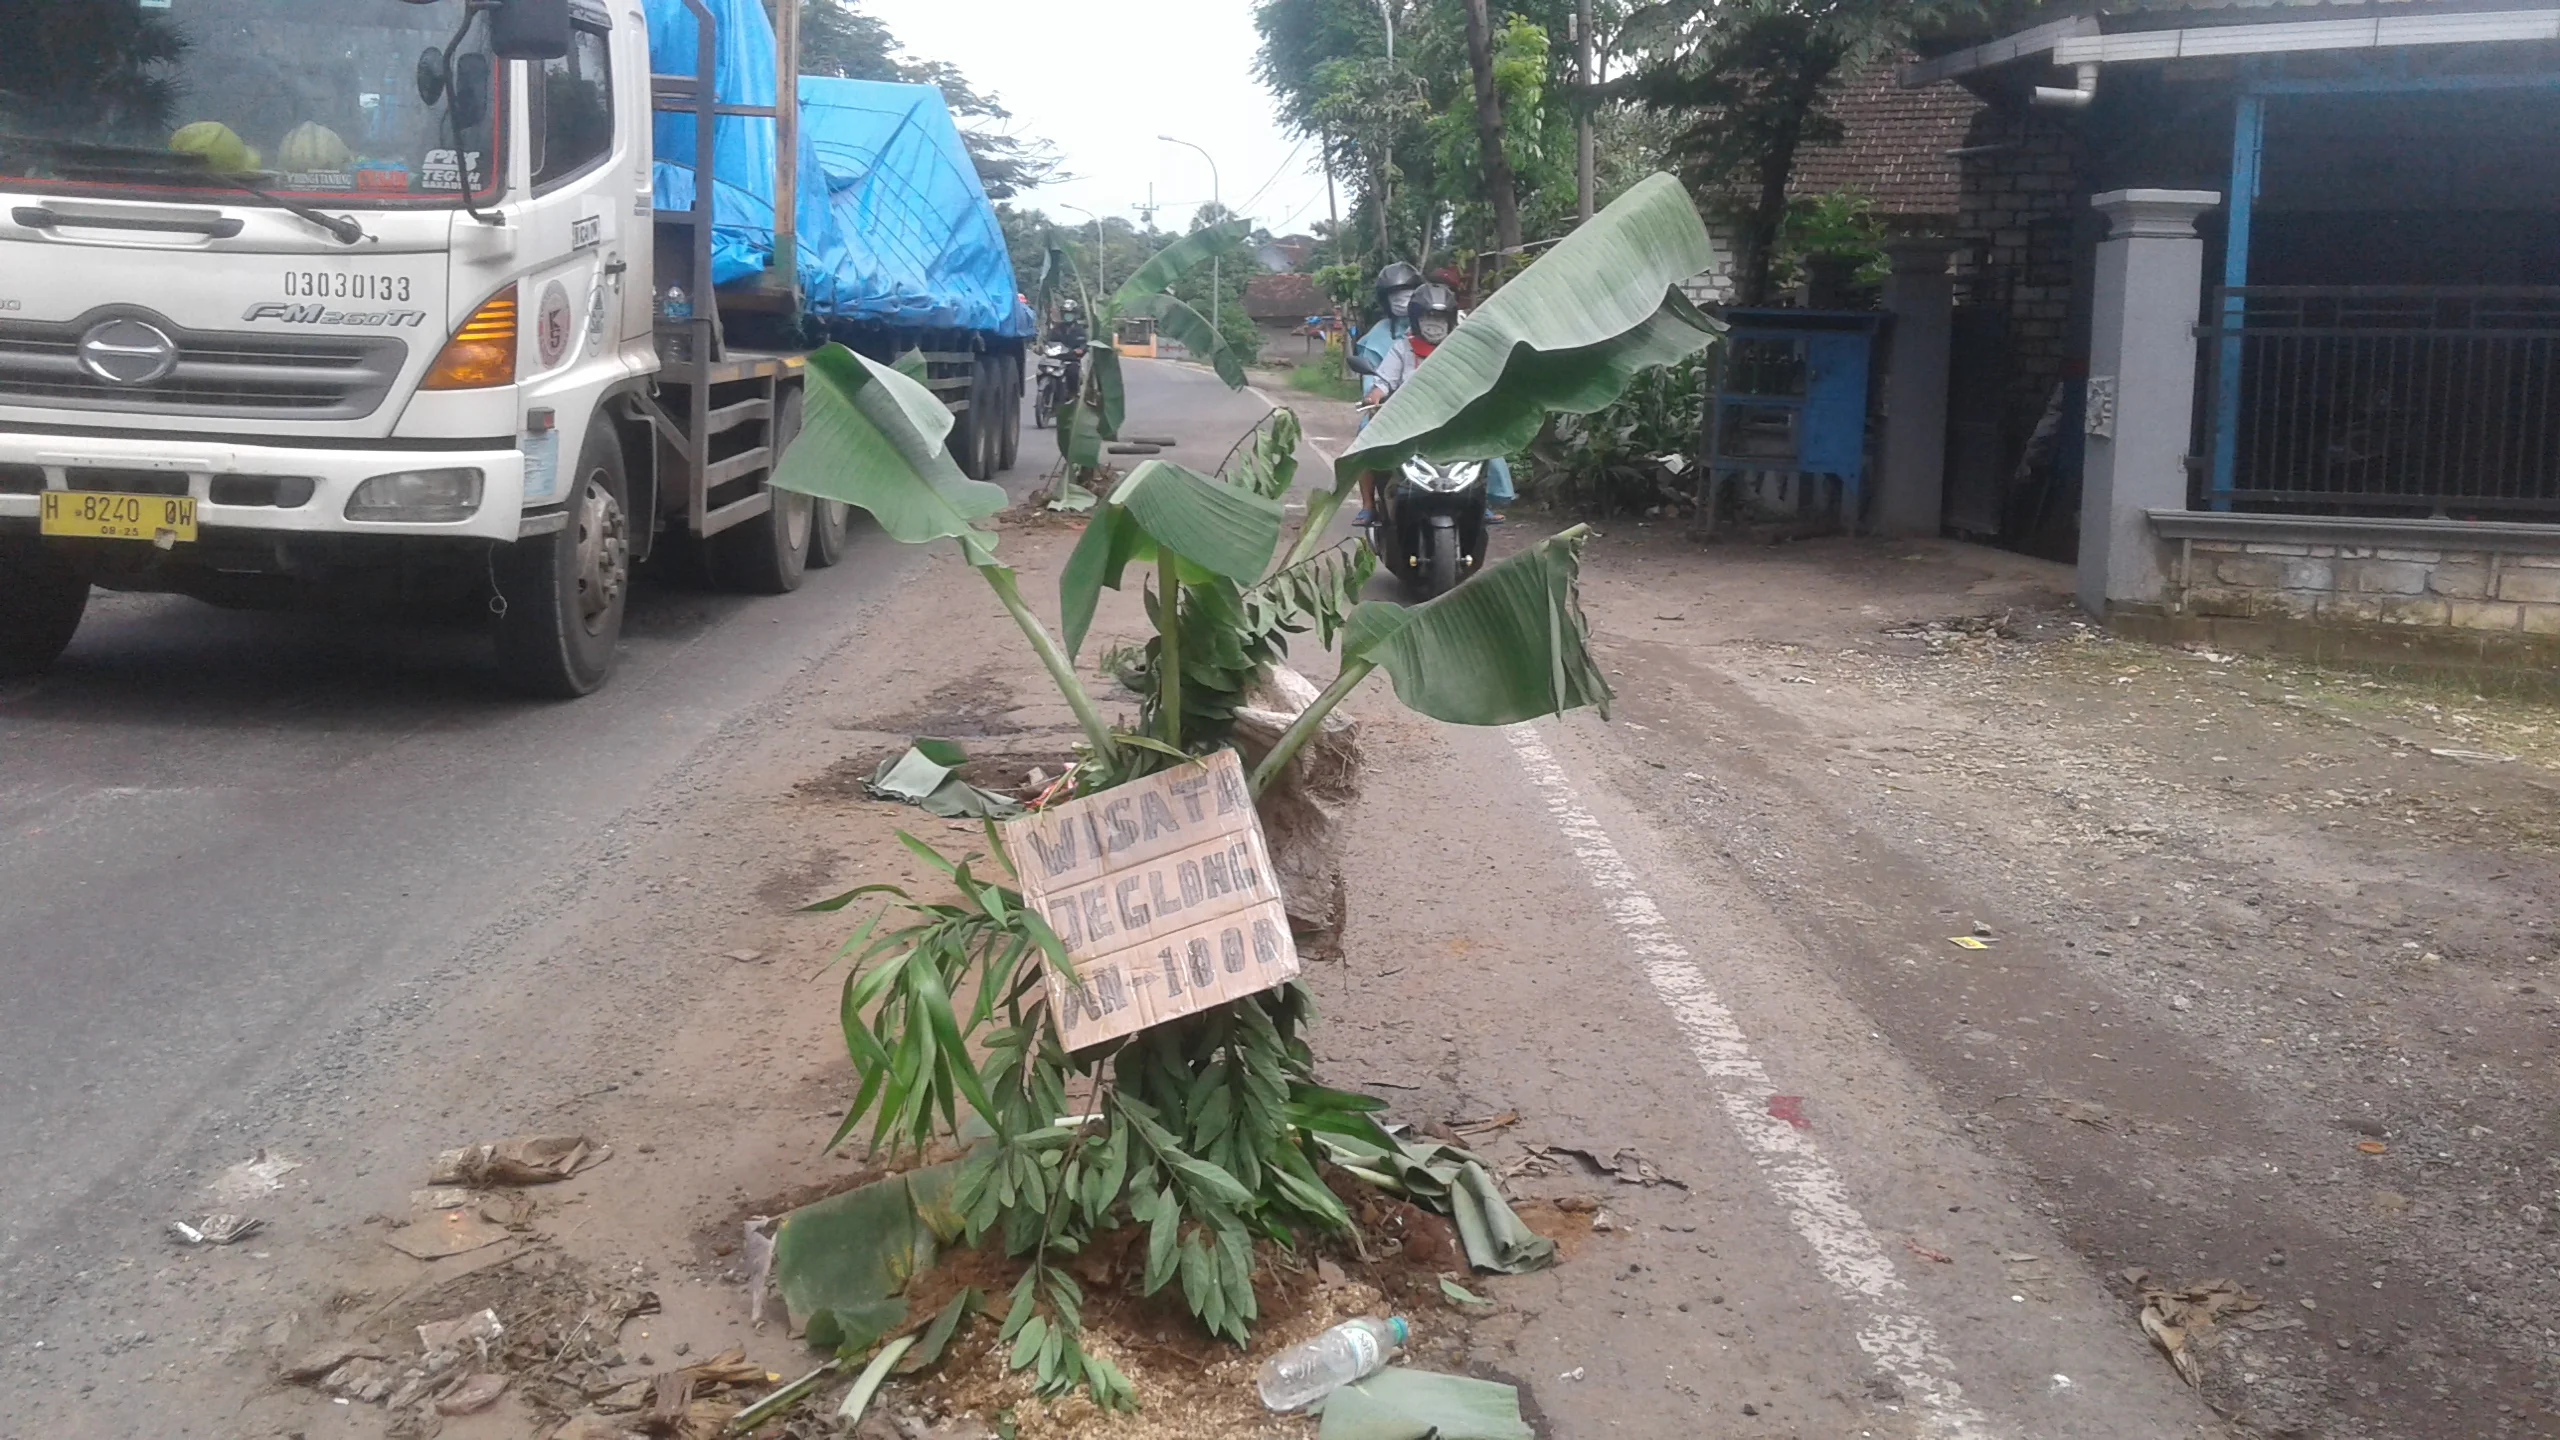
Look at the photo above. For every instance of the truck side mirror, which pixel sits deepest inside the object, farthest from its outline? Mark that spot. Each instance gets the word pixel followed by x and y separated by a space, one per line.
pixel 530 29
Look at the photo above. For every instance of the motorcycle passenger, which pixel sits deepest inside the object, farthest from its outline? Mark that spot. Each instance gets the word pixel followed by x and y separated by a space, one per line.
pixel 1432 313
pixel 1395 287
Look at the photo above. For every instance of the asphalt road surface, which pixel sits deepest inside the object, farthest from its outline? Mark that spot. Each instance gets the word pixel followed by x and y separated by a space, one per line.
pixel 306 887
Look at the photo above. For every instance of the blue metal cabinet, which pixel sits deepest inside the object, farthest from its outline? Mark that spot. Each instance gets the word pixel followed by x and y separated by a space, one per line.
pixel 1792 398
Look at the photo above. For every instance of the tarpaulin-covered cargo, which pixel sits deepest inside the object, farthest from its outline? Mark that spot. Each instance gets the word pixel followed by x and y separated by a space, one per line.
pixel 893 228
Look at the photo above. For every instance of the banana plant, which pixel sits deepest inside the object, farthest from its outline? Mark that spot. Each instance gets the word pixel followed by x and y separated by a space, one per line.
pixel 1204 1129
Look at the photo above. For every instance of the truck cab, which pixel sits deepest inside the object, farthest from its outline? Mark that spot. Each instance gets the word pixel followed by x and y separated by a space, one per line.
pixel 363 297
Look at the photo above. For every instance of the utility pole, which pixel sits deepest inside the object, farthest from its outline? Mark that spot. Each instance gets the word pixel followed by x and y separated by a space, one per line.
pixel 786 136
pixel 1583 145
pixel 1217 285
pixel 1101 262
pixel 1332 210
pixel 1387 146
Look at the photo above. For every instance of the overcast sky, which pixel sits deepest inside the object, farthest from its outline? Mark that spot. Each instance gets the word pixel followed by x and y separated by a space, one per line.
pixel 1103 78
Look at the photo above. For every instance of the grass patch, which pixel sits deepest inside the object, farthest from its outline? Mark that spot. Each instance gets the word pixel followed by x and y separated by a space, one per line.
pixel 1325 377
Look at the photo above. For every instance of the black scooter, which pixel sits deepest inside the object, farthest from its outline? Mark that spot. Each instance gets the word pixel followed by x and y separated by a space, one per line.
pixel 1431 520
pixel 1061 375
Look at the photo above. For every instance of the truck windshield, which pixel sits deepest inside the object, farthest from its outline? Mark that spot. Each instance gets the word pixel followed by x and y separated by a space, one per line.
pixel 318 100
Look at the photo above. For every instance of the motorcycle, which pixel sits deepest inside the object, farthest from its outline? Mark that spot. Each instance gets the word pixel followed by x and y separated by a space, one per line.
pixel 1430 522
pixel 1061 374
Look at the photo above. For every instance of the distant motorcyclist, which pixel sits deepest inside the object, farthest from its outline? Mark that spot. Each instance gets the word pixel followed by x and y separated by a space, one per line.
pixel 1395 286
pixel 1068 329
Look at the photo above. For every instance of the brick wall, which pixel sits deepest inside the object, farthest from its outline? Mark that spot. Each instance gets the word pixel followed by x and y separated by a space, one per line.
pixel 2020 208
pixel 2450 589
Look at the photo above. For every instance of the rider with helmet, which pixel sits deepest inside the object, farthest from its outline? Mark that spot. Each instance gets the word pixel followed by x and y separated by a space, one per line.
pixel 1395 287
pixel 1431 314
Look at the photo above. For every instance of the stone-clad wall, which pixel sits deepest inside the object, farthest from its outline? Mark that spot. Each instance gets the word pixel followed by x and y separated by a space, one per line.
pixel 2458 589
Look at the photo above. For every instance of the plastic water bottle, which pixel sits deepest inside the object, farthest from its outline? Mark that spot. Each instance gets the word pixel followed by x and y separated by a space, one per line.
pixel 675 304
pixel 1351 1351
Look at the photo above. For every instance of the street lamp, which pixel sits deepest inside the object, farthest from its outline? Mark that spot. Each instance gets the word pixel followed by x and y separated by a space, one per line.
pixel 1101 272
pixel 1216 285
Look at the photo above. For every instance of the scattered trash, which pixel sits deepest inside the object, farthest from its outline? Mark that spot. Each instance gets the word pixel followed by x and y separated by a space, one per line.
pixel 216 1229
pixel 1789 1108
pixel 759 1265
pixel 2174 1318
pixel 928 775
pixel 1314 1369
pixel 2371 1147
pixel 472 1332
pixel 252 1179
pixel 444 1197
pixel 2081 1112
pixel 1969 942
pixel 1489 1124
pixel 2485 757
pixel 444 1233
pixel 1072 500
pixel 318 1363
pixel 524 1160
pixel 746 957
pixel 1399 1404
pixel 1939 1257
pixel 2061 1383
pixel 476 1393
pixel 362 1379
pixel 1602 1222
pixel 1573 1374
pixel 782 1399
pixel 1461 1296
pixel 1626 1166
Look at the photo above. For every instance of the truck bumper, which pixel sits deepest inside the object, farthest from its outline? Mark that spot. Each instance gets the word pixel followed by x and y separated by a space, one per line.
pixel 244 487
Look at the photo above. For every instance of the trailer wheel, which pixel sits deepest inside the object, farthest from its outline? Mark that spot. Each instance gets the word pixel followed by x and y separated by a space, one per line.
pixel 1009 430
pixel 42 596
pixel 968 439
pixel 829 521
pixel 768 554
pixel 563 593
pixel 990 384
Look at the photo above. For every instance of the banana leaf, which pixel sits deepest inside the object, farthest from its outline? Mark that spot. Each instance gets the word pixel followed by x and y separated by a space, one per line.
pixel 1175 261
pixel 1406 1404
pixel 1213 527
pixel 1507 646
pixel 873 438
pixel 843 1263
pixel 1266 461
pixel 1567 336
pixel 1179 320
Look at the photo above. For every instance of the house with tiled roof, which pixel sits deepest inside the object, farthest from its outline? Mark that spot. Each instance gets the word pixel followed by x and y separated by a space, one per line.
pixel 1898 148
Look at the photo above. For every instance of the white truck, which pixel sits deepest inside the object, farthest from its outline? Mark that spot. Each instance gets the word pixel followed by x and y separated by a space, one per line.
pixel 376 298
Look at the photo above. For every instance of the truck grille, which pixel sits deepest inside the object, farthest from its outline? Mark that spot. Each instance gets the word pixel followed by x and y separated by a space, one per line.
pixel 251 376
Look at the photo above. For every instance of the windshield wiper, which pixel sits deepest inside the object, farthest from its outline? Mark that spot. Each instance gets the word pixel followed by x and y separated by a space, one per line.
pixel 155 165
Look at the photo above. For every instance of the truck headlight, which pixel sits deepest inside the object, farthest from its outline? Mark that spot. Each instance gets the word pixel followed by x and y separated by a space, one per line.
pixel 418 496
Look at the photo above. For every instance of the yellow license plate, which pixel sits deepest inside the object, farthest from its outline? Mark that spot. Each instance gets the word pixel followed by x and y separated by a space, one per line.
pixel 98 515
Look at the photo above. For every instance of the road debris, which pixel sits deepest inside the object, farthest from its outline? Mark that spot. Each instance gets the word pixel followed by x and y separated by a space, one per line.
pixel 1444 1176
pixel 2371 1147
pixel 759 1248
pixel 1625 1165
pixel 1969 942
pixel 1789 1108
pixel 867 1384
pixel 1937 1257
pixel 477 1392
pixel 1462 1297
pixel 224 1229
pixel 259 1176
pixel 523 1160
pixel 475 1332
pixel 1486 1126
pixel 2177 1319
pixel 745 957
pixel 927 775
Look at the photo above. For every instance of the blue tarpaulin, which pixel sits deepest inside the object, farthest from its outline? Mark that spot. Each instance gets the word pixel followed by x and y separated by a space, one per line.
pixel 893 226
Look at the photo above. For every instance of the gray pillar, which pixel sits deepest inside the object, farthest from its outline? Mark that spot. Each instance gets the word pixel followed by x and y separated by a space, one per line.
pixel 2142 377
pixel 1911 475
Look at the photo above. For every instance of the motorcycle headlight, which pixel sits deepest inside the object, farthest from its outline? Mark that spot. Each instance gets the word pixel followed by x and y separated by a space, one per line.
pixel 1442 479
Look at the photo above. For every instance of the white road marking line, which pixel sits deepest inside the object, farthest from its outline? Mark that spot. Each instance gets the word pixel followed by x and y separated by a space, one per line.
pixel 1848 1254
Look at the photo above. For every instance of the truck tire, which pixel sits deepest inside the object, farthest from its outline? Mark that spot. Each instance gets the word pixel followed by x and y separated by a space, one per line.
pixel 768 554
pixel 968 438
pixel 561 622
pixel 829 522
pixel 1009 432
pixel 42 596
pixel 990 383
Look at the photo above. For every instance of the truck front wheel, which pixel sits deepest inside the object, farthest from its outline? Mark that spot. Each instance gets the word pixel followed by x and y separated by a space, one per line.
pixel 42 596
pixel 1009 432
pixel 563 593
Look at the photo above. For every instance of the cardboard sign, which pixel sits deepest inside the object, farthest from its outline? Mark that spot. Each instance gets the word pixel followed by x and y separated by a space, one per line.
pixel 1163 893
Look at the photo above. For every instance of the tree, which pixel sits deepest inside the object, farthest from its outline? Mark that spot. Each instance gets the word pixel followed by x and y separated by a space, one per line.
pixel 1747 79
pixel 1499 190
